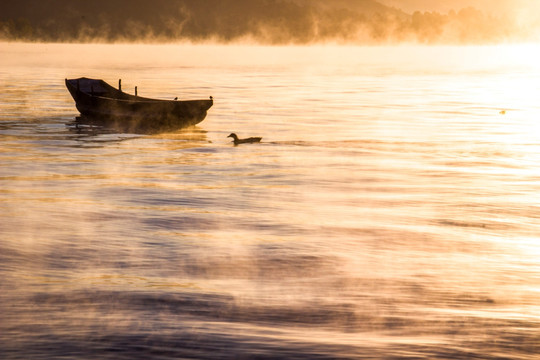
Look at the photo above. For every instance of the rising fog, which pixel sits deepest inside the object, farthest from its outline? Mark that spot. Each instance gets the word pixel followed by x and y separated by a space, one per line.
pixel 262 21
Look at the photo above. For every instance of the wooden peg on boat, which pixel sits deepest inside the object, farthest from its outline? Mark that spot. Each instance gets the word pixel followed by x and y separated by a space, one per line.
pixel 135 91
pixel 120 84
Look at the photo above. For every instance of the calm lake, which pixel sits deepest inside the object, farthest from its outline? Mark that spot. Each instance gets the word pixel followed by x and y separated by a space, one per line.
pixel 392 209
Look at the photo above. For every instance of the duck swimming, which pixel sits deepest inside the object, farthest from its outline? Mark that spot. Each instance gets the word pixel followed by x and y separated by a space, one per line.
pixel 250 140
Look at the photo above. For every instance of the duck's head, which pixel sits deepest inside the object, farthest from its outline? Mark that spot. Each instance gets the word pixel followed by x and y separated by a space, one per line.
pixel 233 135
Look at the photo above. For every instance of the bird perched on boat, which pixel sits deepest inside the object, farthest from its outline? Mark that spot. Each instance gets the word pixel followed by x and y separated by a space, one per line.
pixel 250 140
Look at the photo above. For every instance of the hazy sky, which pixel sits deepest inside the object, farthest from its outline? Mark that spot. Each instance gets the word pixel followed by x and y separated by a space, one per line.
pixel 494 6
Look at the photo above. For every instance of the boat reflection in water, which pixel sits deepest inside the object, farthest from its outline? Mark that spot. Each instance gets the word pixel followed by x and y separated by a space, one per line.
pixel 88 131
pixel 108 125
pixel 100 104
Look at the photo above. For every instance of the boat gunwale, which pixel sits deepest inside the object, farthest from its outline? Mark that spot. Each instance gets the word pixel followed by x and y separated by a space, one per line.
pixel 130 98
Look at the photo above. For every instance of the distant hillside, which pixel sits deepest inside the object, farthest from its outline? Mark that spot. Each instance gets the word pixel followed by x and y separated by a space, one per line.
pixel 360 6
pixel 263 21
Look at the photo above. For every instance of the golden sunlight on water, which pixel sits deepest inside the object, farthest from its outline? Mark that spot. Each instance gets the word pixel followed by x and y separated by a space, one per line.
pixel 390 211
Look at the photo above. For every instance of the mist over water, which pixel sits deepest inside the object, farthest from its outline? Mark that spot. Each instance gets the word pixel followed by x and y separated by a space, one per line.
pixel 391 210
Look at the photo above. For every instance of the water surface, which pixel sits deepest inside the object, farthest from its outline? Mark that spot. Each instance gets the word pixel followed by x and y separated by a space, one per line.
pixel 391 211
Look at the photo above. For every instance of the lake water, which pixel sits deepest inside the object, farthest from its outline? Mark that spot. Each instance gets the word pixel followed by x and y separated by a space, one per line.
pixel 392 209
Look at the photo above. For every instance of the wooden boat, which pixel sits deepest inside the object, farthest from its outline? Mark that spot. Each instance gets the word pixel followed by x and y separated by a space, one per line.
pixel 99 101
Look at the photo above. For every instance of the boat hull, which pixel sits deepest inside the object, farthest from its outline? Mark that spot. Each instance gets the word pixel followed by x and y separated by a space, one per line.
pixel 98 100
